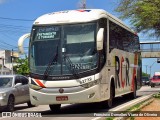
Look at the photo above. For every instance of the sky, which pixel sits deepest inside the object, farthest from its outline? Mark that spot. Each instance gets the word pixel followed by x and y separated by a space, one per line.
pixel 17 16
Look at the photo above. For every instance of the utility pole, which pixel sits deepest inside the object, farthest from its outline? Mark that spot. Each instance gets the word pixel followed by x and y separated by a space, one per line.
pixel 151 67
pixel 12 60
pixel 83 4
pixel 146 68
pixel 2 65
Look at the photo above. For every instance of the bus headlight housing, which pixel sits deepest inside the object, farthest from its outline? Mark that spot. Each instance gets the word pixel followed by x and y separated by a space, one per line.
pixel 90 84
pixel 2 94
pixel 35 87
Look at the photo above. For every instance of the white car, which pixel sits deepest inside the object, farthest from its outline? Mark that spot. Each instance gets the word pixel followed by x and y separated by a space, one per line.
pixel 14 89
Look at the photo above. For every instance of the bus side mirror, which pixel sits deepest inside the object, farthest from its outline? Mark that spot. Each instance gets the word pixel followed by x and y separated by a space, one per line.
pixel 100 37
pixel 158 60
pixel 21 41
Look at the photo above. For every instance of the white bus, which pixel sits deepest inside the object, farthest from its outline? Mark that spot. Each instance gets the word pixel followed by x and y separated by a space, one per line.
pixel 81 56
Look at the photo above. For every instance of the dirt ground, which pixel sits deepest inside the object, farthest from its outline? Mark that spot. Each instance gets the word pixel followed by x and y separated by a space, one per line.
pixel 153 107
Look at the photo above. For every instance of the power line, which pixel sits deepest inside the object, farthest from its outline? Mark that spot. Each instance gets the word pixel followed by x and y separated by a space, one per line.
pixel 9 37
pixel 16 19
pixel 13 25
pixel 5 47
pixel 8 32
pixel 7 44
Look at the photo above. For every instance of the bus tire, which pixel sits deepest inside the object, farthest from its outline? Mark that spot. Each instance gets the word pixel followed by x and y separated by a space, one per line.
pixel 109 103
pixel 133 95
pixel 110 100
pixel 30 104
pixel 152 85
pixel 55 107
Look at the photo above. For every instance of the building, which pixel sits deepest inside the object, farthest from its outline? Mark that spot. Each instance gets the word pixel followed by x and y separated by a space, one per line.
pixel 7 58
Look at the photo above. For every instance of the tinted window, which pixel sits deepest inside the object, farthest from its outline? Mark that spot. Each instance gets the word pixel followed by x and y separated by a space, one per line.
pixel 5 82
pixel 79 38
pixel 156 77
pixel 122 39
pixel 145 78
pixel 17 80
pixel 24 80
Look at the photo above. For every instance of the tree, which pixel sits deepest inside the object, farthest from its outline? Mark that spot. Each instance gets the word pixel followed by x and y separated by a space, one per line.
pixel 143 14
pixel 22 66
pixel 145 74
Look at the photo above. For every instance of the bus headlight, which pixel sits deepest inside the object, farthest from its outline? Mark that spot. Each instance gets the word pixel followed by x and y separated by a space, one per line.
pixel 2 94
pixel 35 87
pixel 90 84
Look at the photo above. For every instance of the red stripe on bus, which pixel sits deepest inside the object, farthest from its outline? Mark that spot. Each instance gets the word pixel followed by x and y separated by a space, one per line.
pixel 122 81
pixel 134 71
pixel 39 83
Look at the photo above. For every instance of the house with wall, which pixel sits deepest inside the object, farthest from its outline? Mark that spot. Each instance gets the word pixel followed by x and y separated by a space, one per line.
pixel 7 58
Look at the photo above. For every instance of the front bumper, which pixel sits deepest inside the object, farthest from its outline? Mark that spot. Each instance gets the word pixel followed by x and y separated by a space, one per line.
pixel 3 102
pixel 155 83
pixel 92 94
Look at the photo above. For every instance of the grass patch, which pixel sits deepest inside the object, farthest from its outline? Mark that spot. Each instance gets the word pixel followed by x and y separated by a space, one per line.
pixel 132 118
pixel 135 107
pixel 109 118
pixel 157 95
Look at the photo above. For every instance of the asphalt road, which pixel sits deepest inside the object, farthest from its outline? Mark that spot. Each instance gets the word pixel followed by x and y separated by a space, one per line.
pixel 146 90
pixel 78 111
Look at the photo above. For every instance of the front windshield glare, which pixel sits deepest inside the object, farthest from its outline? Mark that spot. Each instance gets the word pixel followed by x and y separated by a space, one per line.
pixel 63 48
pixel 79 39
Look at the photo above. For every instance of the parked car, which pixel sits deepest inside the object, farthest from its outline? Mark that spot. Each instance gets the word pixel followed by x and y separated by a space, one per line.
pixel 155 80
pixel 145 80
pixel 14 89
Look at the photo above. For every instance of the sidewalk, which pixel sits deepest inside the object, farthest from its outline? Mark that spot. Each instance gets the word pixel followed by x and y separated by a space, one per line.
pixel 154 106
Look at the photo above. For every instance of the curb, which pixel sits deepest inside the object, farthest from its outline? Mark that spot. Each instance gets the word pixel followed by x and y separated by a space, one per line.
pixel 131 103
pixel 145 99
pixel 136 109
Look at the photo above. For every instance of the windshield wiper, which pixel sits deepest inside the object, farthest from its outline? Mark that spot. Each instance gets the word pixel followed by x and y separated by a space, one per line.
pixel 72 70
pixel 53 61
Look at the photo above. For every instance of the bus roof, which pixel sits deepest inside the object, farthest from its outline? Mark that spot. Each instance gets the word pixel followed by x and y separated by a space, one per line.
pixel 77 16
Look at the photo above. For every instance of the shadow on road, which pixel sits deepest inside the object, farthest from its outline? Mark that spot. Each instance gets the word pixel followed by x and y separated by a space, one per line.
pixel 16 108
pixel 87 109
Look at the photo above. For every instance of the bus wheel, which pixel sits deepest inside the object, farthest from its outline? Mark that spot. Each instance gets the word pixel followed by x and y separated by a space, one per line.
pixel 133 95
pixel 30 104
pixel 55 107
pixel 152 85
pixel 110 100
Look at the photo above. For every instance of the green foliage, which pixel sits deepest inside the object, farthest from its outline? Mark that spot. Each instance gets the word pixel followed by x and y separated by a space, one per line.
pixel 144 14
pixel 22 66
pixel 109 118
pixel 157 95
pixel 145 74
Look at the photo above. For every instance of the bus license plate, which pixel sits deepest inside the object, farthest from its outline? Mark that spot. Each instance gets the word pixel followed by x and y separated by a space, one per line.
pixel 62 98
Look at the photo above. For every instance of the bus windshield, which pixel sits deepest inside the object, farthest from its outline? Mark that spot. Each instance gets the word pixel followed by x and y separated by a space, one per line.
pixel 63 49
